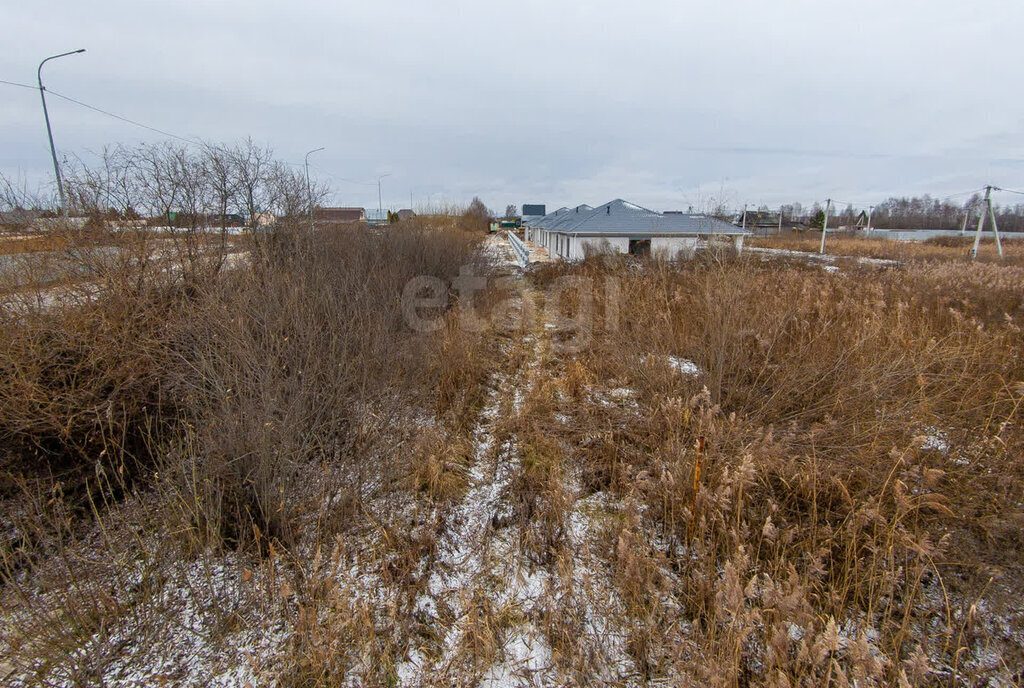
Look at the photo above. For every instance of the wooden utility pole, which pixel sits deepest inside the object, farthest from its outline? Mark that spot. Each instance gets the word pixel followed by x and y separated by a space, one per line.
pixel 981 224
pixel 824 225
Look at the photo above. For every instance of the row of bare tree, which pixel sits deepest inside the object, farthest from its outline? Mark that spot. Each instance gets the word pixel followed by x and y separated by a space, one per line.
pixel 180 185
pixel 918 212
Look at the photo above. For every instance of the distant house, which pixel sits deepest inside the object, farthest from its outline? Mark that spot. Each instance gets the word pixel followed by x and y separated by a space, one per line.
pixel 377 217
pixel 338 216
pixel 758 221
pixel 18 219
pixel 405 214
pixel 264 219
pixel 623 227
pixel 533 211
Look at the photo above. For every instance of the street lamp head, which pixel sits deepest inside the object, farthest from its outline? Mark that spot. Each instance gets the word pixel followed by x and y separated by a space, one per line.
pixel 80 50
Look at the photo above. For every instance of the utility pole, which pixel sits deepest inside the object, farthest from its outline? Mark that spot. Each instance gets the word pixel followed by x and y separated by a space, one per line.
pixel 380 204
pixel 981 224
pixel 49 131
pixel 824 225
pixel 309 189
pixel 780 219
pixel 870 208
pixel 743 222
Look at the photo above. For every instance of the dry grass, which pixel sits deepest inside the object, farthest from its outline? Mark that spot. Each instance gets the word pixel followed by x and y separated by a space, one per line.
pixel 833 497
pixel 938 249
pixel 24 243
pixel 822 505
pixel 250 411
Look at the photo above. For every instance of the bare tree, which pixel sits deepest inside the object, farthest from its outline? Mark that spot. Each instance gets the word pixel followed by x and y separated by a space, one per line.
pixel 292 200
pixel 223 180
pixel 156 180
pixel 253 166
pixel 476 217
pixel 17 205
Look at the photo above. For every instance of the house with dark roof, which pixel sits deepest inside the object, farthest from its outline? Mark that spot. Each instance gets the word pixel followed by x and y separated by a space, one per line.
pixel 623 227
pixel 760 221
pixel 337 216
pixel 533 211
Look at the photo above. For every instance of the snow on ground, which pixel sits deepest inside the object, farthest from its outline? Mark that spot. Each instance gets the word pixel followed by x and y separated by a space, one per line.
pixel 594 589
pixel 480 559
pixel 818 257
pixel 198 630
pixel 497 248
pixel 935 439
pixel 684 366
pixel 481 556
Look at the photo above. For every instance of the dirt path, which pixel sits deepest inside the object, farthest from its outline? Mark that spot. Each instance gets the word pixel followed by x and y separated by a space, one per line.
pixel 507 612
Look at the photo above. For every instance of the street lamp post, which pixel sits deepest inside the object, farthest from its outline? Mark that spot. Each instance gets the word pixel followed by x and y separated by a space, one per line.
pixel 380 204
pixel 49 131
pixel 309 189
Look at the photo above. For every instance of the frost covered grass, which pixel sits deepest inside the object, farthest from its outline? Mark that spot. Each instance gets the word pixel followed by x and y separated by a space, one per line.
pixel 763 474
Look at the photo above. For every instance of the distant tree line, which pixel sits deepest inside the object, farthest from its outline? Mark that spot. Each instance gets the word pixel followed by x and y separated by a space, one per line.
pixel 922 212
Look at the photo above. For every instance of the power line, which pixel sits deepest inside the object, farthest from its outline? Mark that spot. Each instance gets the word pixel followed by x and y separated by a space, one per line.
pixel 195 141
pixel 15 83
pixel 191 140
pixel 937 198
pixel 342 179
pixel 186 139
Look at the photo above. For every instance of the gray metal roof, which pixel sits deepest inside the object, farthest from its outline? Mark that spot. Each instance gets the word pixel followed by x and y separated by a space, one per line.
pixel 569 217
pixel 560 217
pixel 621 218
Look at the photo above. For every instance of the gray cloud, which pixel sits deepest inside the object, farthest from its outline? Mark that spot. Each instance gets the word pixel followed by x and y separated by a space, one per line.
pixel 664 103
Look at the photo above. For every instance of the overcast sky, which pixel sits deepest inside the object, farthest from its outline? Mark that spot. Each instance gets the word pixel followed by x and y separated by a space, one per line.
pixel 668 104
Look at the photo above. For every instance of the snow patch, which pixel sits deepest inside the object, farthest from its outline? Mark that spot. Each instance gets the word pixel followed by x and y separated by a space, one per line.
pixel 684 366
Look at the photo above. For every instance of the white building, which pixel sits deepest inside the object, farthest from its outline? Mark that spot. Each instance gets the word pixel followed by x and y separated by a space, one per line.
pixel 622 227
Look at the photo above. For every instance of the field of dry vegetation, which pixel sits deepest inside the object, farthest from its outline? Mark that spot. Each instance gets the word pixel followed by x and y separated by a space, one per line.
pixel 727 471
pixel 938 248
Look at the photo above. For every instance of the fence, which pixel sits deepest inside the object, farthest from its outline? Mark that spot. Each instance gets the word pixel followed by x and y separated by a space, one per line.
pixel 522 253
